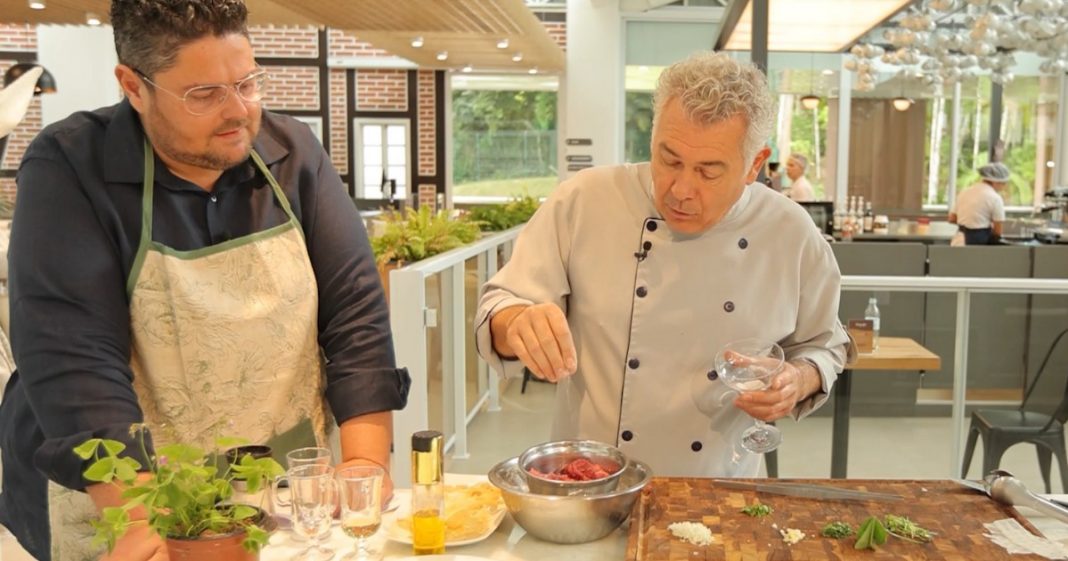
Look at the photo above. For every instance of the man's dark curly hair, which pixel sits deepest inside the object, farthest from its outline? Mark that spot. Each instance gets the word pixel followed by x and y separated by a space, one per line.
pixel 149 33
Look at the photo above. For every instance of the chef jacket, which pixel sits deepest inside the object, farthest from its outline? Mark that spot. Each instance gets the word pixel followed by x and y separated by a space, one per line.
pixel 801 190
pixel 649 308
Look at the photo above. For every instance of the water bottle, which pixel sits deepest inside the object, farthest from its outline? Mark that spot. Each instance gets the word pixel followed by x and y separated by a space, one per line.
pixel 872 313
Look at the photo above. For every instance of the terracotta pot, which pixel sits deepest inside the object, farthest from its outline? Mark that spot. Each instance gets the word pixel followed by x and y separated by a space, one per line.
pixel 218 548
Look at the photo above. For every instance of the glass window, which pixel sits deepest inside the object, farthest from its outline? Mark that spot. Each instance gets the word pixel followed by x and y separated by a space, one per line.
pixel 382 159
pixel 504 142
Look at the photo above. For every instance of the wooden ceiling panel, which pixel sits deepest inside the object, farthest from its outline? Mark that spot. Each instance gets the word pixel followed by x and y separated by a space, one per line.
pixel 468 29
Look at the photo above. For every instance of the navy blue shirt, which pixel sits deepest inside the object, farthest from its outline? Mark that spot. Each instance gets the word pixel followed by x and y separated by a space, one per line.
pixel 74 239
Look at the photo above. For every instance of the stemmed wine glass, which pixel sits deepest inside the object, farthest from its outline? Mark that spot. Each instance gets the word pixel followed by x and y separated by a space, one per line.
pixel 749 365
pixel 361 507
pixel 313 494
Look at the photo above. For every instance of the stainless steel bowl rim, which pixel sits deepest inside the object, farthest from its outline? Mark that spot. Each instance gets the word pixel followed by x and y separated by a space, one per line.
pixel 584 448
pixel 631 465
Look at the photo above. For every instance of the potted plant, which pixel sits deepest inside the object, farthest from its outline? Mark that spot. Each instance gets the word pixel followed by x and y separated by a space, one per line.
pixel 496 218
pixel 415 235
pixel 186 498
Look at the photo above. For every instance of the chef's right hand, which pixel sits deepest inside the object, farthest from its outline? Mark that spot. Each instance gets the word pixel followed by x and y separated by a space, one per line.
pixel 539 336
pixel 139 543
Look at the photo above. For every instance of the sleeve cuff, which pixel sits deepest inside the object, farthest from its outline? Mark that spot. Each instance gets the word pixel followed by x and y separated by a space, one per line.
pixel 828 374
pixel 368 391
pixel 508 368
pixel 57 461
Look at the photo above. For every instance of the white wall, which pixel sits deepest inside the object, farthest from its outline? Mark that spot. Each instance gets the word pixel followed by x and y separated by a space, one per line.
pixel 82 60
pixel 592 88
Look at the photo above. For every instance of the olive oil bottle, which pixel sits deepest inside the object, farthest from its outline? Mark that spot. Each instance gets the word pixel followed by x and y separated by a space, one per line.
pixel 428 493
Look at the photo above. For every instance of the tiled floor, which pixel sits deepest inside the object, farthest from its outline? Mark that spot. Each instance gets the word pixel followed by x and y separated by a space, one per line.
pixel 879 447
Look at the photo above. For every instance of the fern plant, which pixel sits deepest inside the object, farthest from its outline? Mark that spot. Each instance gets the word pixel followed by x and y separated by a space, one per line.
pixel 495 218
pixel 417 234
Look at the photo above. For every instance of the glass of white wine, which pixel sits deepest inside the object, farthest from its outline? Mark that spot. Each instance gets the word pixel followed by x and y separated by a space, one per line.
pixel 749 365
pixel 361 508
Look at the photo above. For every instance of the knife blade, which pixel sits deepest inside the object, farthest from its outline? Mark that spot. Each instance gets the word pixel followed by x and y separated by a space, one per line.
pixel 807 491
pixel 973 485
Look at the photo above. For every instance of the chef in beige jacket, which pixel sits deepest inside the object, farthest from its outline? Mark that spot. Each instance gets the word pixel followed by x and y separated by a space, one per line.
pixel 629 279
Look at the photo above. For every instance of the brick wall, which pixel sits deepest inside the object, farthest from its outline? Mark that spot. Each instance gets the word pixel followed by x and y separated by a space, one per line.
pixel 345 44
pixel 428 196
pixel 297 42
pixel 427 124
pixel 293 88
pixel 382 90
pixel 339 133
pixel 558 31
pixel 15 37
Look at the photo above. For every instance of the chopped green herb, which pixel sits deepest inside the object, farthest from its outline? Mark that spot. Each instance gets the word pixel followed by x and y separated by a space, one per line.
pixel 757 509
pixel 837 530
pixel 904 528
pixel 872 533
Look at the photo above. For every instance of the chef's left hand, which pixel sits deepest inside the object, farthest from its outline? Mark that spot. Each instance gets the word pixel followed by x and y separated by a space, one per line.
pixel 796 382
pixel 387 481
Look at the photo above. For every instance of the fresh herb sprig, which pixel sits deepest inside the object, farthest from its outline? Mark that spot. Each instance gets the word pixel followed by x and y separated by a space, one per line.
pixel 906 529
pixel 837 530
pixel 757 510
pixel 871 534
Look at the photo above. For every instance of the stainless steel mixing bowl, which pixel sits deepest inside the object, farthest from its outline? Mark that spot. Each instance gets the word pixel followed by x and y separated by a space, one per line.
pixel 569 519
pixel 551 456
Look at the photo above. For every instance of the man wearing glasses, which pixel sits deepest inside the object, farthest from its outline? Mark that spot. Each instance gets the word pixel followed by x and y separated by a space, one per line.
pixel 187 260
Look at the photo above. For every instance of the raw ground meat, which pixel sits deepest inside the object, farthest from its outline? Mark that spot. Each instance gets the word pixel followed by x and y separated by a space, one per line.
pixel 577 470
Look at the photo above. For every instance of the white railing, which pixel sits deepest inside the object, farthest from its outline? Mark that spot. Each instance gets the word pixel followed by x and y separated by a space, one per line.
pixel 410 317
pixel 964 287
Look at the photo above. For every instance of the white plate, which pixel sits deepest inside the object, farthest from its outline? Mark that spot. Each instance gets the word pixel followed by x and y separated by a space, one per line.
pixel 402 497
pixel 445 557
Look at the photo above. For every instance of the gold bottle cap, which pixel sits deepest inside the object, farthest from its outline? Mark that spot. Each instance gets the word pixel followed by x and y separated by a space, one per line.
pixel 427 457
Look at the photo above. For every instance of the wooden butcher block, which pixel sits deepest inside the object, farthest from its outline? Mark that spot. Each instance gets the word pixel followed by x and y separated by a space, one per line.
pixel 956 514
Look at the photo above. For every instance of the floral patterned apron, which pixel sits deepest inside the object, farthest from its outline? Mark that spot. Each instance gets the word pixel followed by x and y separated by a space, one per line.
pixel 224 343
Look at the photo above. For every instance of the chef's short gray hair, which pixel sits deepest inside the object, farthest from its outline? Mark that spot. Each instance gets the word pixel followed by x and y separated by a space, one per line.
pixel 713 87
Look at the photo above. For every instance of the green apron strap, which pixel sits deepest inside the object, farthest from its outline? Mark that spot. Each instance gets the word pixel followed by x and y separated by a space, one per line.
pixel 148 190
pixel 282 200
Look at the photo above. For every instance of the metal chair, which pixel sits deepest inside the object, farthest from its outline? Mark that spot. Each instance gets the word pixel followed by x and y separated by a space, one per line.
pixel 1002 429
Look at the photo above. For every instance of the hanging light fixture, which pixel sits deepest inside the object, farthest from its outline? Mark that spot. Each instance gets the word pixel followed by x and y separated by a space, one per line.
pixel 810 101
pixel 45 83
pixel 92 19
pixel 902 103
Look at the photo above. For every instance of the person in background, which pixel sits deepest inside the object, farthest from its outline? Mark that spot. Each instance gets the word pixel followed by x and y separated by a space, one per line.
pixel 800 190
pixel 629 279
pixel 774 177
pixel 189 260
pixel 979 210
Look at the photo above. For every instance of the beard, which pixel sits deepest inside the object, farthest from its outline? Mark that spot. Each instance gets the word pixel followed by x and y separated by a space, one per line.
pixel 166 138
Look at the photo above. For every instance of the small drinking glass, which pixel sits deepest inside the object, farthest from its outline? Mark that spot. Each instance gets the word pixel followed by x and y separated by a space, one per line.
pixel 750 365
pixel 361 508
pixel 306 456
pixel 313 494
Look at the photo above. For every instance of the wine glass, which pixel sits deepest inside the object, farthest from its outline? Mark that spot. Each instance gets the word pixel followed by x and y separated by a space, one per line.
pixel 361 507
pixel 313 493
pixel 750 365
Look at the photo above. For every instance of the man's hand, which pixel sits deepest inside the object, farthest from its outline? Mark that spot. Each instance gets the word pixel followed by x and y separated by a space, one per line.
pixel 795 383
pixel 539 336
pixel 139 543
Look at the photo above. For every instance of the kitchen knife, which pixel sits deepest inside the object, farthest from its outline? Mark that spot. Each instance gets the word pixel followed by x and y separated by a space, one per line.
pixel 807 491
pixel 973 485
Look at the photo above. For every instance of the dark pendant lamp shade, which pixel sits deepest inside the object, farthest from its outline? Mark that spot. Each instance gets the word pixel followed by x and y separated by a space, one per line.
pixel 45 84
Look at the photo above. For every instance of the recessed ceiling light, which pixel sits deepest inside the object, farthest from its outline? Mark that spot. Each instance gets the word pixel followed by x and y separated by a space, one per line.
pixel 37 4
pixel 92 19
pixel 443 55
pixel 417 42
pixel 518 57
pixel 467 68
pixel 503 43
pixel 533 70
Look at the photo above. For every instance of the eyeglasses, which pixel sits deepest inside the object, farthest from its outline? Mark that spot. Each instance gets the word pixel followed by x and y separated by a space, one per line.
pixel 203 100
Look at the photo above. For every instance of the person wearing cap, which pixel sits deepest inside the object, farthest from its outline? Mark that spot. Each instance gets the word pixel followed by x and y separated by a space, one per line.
pixel 800 189
pixel 979 210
